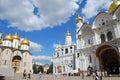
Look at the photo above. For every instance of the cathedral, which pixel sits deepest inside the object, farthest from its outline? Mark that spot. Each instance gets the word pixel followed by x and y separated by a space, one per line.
pixel 14 53
pixel 97 45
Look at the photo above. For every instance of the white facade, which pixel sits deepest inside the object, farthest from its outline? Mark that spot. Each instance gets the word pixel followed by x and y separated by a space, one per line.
pixel 14 53
pixel 64 56
pixel 97 45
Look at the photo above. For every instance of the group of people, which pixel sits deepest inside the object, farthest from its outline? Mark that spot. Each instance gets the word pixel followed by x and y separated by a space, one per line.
pixel 98 75
pixel 27 75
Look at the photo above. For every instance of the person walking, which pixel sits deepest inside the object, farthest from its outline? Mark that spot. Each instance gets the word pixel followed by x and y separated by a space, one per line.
pixel 29 75
pixel 40 75
pixel 24 74
pixel 82 75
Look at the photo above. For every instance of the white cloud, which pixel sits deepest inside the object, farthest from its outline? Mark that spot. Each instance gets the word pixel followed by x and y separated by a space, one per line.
pixel 42 58
pixel 34 47
pixel 92 7
pixel 52 12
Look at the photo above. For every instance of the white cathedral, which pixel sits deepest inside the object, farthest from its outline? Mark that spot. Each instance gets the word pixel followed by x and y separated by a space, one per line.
pixel 14 53
pixel 97 45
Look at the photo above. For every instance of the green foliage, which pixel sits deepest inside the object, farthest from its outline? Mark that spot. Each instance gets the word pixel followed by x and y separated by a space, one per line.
pixel 40 68
pixel 50 70
pixel 37 68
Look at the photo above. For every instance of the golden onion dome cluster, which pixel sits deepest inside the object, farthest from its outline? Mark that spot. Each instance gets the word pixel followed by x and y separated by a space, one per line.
pixel 114 6
pixel 15 36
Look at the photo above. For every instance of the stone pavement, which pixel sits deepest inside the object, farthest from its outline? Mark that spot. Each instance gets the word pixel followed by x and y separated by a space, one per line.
pixel 59 77
pixel 53 77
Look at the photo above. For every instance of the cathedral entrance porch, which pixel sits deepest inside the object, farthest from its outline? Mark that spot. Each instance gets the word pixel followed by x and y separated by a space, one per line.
pixel 16 63
pixel 109 59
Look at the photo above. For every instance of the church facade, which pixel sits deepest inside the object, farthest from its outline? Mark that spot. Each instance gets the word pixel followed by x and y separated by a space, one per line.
pixel 98 45
pixel 14 53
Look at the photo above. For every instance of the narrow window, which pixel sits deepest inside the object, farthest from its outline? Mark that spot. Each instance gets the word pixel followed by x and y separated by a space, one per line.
pixel 109 36
pixel 102 36
pixel 78 55
pixel 90 58
pixel 66 50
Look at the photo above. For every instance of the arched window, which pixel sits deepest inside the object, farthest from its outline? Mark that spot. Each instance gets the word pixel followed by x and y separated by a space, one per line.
pixel 102 36
pixel 57 54
pixel 78 55
pixel 66 50
pixel 109 36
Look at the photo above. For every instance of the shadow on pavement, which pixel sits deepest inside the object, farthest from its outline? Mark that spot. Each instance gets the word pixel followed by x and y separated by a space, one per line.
pixel 2 77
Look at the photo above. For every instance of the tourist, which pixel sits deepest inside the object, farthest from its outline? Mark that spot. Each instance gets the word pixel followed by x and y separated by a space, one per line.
pixel 24 74
pixel 82 75
pixel 96 75
pixel 40 75
pixel 29 75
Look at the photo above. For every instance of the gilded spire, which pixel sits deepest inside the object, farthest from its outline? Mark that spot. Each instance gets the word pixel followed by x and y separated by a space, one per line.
pixel 68 33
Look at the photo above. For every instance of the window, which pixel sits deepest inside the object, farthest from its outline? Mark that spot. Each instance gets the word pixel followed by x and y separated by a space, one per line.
pixel 5 62
pixel 88 41
pixel 63 68
pixel 66 50
pixel 90 58
pixel 70 47
pixel 57 54
pixel 78 55
pixel 102 36
pixel 103 23
pixel 109 36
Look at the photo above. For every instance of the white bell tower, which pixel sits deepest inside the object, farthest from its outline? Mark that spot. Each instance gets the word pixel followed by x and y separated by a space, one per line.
pixel 68 39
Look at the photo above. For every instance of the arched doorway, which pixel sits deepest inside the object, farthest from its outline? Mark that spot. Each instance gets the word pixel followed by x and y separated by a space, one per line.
pixel 109 59
pixel 16 63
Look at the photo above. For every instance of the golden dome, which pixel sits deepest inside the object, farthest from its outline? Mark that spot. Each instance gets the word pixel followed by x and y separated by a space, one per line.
pixel 8 37
pixel 79 19
pixel 25 42
pixel 15 36
pixel 113 6
pixel 68 34
pixel 1 41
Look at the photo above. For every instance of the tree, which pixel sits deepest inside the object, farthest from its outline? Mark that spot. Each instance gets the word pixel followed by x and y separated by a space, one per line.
pixel 50 70
pixel 34 68
pixel 40 68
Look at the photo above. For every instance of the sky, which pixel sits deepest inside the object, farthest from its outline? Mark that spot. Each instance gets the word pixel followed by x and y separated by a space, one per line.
pixel 45 22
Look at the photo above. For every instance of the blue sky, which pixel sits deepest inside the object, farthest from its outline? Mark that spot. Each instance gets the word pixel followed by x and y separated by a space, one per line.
pixel 45 22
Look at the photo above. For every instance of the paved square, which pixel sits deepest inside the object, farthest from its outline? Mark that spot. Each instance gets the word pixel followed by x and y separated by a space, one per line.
pixel 60 77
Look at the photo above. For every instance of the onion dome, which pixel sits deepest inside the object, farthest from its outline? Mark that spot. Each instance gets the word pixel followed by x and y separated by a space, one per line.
pixel 1 41
pixel 15 36
pixel 8 37
pixel 25 42
pixel 68 33
pixel 114 6
pixel 78 19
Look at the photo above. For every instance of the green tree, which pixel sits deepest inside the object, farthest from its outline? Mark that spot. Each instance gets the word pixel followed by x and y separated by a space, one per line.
pixel 50 70
pixel 40 68
pixel 35 68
